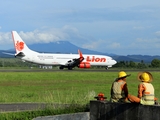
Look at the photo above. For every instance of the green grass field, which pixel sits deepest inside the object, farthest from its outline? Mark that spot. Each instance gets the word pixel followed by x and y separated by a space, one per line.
pixel 63 86
pixel 70 87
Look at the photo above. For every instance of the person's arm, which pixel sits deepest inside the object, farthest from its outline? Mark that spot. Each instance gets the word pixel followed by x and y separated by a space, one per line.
pixel 125 88
pixel 141 88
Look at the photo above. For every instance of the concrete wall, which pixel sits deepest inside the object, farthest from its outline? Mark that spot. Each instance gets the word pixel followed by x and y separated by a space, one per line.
pixel 103 110
pixel 74 116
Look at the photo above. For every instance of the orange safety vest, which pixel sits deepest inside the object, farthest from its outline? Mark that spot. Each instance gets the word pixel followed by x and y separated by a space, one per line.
pixel 117 92
pixel 148 94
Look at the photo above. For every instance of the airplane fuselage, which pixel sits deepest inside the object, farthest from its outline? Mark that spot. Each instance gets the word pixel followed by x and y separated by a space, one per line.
pixel 59 59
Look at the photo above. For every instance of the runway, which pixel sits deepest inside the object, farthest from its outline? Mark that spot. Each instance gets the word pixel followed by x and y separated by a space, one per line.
pixel 15 107
pixel 18 107
pixel 56 70
pixel 66 70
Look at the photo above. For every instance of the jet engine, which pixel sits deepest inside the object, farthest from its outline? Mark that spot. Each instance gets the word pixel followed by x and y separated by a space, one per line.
pixel 84 65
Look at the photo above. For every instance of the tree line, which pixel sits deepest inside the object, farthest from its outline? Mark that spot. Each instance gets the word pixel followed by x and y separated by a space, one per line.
pixel 12 62
pixel 155 63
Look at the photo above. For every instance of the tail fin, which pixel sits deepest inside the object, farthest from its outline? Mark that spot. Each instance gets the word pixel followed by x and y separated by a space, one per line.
pixel 19 44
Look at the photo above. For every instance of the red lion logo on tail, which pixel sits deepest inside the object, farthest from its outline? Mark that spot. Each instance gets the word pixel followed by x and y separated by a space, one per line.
pixel 19 46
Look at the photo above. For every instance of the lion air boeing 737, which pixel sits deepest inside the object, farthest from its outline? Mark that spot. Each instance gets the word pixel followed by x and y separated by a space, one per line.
pixel 63 60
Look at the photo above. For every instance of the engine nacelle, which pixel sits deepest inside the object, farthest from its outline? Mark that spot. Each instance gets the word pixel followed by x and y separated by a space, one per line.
pixel 84 65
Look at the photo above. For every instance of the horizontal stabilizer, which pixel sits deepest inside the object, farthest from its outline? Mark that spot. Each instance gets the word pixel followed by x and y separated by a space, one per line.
pixel 8 53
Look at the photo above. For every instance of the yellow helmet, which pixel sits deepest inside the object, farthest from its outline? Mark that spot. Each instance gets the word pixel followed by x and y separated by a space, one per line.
pixel 145 77
pixel 122 74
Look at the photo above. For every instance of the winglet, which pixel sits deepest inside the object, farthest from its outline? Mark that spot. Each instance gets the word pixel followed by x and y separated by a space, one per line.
pixel 80 55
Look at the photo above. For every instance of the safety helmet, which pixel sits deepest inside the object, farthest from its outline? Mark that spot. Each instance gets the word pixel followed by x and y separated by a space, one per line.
pixel 145 77
pixel 122 74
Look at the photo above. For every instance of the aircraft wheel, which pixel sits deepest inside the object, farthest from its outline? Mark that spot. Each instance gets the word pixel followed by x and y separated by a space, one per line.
pixel 69 68
pixel 61 67
pixel 106 68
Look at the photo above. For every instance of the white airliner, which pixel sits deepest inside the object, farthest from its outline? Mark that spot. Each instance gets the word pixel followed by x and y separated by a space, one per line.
pixel 62 60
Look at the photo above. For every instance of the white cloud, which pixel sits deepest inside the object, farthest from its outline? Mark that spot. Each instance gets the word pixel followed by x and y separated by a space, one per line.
pixel 5 38
pixel 142 43
pixel 44 36
pixel 158 33
pixel 138 28
pixel 102 45
pixel 68 28
pixel 91 46
pixel 115 45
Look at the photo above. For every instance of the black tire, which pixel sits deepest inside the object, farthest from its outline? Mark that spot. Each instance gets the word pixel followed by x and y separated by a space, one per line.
pixel 61 67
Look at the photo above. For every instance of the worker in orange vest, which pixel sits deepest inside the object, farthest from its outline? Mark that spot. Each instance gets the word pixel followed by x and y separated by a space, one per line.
pixel 119 90
pixel 145 90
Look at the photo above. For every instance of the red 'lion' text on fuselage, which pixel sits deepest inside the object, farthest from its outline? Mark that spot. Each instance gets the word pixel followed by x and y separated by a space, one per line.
pixel 95 59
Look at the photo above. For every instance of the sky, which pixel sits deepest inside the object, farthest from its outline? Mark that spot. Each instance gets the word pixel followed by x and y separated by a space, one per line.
pixel 121 27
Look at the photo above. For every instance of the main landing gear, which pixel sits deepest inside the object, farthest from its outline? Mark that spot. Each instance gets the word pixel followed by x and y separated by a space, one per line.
pixel 106 67
pixel 62 67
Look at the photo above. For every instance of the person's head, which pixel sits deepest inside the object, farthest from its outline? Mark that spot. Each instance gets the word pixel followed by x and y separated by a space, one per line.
pixel 145 76
pixel 122 75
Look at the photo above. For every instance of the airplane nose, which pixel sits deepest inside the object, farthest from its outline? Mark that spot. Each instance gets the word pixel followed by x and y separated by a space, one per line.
pixel 114 61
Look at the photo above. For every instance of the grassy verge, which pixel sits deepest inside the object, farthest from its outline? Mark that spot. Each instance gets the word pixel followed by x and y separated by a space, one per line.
pixel 62 86
pixel 59 87
pixel 29 115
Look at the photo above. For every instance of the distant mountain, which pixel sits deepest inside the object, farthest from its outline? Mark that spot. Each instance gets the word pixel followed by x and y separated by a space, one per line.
pixel 60 47
pixel 136 58
pixel 146 58
pixel 67 47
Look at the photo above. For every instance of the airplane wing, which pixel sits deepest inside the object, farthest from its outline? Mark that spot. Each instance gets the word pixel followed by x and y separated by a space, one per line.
pixel 74 62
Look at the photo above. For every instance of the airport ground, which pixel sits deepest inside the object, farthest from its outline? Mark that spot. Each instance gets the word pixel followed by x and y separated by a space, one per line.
pixel 20 87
